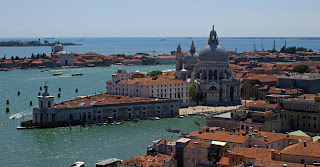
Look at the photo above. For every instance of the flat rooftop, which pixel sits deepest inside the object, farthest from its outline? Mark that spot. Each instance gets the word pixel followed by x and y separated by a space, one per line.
pixel 101 99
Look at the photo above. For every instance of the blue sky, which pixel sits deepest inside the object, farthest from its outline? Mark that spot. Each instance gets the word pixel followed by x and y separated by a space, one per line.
pixel 165 18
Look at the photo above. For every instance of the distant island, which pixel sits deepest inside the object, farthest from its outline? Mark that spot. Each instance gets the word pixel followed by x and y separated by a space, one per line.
pixel 19 43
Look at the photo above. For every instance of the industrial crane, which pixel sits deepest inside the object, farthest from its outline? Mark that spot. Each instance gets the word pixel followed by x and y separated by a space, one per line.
pixel 153 51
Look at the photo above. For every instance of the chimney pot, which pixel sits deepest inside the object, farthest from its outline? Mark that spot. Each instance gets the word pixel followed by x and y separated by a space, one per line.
pixel 287 134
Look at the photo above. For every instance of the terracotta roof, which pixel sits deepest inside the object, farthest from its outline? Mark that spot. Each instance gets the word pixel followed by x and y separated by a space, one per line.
pixel 148 160
pixel 191 144
pixel 261 104
pixel 273 137
pixel 224 161
pixel 161 80
pixel 253 152
pixel 161 142
pixel 271 163
pixel 312 149
pixel 220 136
pixel 101 99
pixel 263 78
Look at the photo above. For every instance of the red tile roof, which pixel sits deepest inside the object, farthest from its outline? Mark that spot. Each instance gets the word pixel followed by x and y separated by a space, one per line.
pixel 148 160
pixel 312 149
pixel 101 99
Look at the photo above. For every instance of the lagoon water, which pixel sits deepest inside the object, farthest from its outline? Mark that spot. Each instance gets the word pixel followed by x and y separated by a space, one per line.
pixel 128 46
pixel 59 146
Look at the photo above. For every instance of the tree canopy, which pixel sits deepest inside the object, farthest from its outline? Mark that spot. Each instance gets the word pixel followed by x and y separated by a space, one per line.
pixel 192 93
pixel 301 68
pixel 154 73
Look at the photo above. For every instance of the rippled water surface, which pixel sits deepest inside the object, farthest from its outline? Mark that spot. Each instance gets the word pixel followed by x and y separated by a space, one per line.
pixel 59 146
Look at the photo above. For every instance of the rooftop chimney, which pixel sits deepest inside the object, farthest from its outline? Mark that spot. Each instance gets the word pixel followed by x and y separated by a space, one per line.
pixel 171 155
pixel 223 129
pixel 265 138
pixel 287 134
pixel 255 146
pixel 273 131
pixel 305 143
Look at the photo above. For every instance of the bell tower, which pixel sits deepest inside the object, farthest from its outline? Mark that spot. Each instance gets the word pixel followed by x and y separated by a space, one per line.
pixel 45 100
pixel 178 58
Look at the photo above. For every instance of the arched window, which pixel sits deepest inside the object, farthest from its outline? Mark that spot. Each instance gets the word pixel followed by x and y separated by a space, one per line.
pixel 114 110
pixel 144 108
pixel 158 108
pixel 89 115
pixel 70 117
pixel 212 88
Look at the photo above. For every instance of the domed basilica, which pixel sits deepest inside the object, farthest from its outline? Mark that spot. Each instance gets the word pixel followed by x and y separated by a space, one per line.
pixel 209 73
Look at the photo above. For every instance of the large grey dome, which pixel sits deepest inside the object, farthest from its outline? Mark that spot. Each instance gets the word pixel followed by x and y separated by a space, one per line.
pixel 191 58
pixel 213 52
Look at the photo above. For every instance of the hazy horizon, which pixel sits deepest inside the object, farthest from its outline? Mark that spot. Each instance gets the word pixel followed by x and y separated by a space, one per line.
pixel 143 18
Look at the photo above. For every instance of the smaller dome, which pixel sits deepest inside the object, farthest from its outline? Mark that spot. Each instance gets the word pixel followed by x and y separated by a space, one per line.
pixel 191 58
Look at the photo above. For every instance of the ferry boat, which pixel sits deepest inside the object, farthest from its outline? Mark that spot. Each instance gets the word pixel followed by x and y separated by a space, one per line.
pixel 77 74
pixel 58 73
pixel 172 130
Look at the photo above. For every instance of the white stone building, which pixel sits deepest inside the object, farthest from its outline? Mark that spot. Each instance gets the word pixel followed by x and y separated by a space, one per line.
pixel 99 108
pixel 162 86
pixel 209 73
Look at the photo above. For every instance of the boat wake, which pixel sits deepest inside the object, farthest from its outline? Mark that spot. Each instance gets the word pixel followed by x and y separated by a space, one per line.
pixel 19 115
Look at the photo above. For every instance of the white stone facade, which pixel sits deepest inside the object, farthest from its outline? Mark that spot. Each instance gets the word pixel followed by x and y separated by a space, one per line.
pixel 136 87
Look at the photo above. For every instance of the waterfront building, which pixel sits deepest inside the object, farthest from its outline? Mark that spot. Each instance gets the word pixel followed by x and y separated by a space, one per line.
pixel 190 152
pixel 65 58
pixel 209 73
pixel 162 86
pixel 164 59
pixel 214 146
pixel 145 160
pixel 99 108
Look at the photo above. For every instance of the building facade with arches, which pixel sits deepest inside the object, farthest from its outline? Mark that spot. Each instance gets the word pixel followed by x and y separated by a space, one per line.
pixel 100 108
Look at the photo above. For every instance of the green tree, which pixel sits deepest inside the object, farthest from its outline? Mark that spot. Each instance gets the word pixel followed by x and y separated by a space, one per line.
pixel 12 58
pixel 301 68
pixel 154 73
pixel 192 93
pixel 310 50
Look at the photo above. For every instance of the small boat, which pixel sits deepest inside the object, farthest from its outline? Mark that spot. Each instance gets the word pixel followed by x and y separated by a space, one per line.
pixel 77 74
pixel 151 118
pixel 163 40
pixel 105 123
pixel 180 116
pixel 99 123
pixel 78 164
pixel 157 118
pixel 117 123
pixel 5 69
pixel 45 70
pixel 172 130
pixel 197 123
pixel 112 123
pixel 58 73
